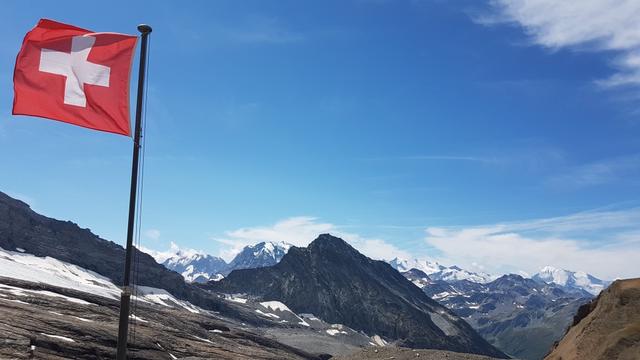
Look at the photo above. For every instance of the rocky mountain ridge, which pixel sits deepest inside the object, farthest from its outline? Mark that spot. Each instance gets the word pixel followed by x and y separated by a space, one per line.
pixel 331 279
pixel 606 328
pixel 521 316
pixel 196 266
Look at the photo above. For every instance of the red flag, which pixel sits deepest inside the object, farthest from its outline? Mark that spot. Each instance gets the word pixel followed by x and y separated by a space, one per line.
pixel 75 75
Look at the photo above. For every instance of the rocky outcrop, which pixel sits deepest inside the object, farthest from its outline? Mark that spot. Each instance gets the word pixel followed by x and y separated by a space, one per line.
pixel 396 353
pixel 607 328
pixel 47 322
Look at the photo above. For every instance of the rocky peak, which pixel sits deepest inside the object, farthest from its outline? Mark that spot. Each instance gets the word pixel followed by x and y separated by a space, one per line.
pixel 330 243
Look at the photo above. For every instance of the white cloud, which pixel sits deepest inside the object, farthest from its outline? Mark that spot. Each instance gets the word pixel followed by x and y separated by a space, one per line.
pixel 174 250
pixel 153 234
pixel 599 172
pixel 564 242
pixel 585 24
pixel 300 231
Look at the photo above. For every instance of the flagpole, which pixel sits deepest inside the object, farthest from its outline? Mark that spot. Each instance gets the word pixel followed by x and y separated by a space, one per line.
pixel 125 298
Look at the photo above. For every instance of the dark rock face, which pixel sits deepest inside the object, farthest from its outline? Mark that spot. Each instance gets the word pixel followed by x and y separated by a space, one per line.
pixel 338 284
pixel 21 227
pixel 522 317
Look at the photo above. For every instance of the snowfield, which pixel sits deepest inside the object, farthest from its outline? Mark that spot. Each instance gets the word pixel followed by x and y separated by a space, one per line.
pixel 48 270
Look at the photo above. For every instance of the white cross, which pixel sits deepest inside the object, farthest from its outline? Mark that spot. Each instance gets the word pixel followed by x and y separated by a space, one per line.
pixel 75 67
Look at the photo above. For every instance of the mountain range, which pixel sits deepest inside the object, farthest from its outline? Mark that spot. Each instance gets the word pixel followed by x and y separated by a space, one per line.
pixel 48 264
pixel 571 279
pixel 326 298
pixel 520 316
pixel 548 274
pixel 196 266
pixel 439 272
pixel 333 281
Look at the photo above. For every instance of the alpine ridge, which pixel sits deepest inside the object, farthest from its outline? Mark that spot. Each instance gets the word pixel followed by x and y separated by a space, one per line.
pixel 571 279
pixel 196 266
pixel 333 281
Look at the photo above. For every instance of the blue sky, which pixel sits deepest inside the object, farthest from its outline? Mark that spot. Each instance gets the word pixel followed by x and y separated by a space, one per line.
pixel 404 126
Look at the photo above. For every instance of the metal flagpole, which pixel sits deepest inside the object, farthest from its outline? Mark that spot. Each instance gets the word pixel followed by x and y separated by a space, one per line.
pixel 125 298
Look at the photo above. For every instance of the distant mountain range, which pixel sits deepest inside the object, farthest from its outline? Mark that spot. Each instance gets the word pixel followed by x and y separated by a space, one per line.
pixel 313 290
pixel 333 281
pixel 548 274
pixel 571 279
pixel 196 266
pixel 520 316
pixel 440 272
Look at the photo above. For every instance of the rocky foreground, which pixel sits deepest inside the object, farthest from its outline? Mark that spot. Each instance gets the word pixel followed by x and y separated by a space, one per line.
pixel 396 353
pixel 44 322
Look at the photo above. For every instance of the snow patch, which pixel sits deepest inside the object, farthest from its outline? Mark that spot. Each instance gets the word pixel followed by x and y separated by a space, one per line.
pixel 47 270
pixel 334 332
pixel 138 319
pixel 164 298
pixel 63 338
pixel 235 299
pixel 267 314
pixel 377 340
pixel 83 319
pixel 203 339
pixel 275 306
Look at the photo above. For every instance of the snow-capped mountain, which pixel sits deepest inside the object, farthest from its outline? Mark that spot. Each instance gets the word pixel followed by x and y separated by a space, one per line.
pixel 437 271
pixel 334 281
pixel 509 309
pixel 193 265
pixel 196 266
pixel 264 254
pixel 425 266
pixel 571 279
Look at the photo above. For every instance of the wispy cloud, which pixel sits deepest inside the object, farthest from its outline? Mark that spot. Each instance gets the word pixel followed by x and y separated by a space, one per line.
pixel 583 25
pixel 528 154
pixel 606 171
pixel 300 231
pixel 264 30
pixel 174 250
pixel 605 243
pixel 434 158
pixel 153 234
pixel 252 29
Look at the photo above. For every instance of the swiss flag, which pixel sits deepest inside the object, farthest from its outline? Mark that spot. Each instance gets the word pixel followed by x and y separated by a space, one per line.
pixel 75 75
